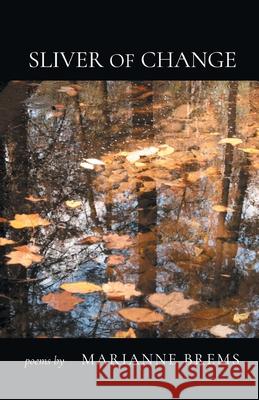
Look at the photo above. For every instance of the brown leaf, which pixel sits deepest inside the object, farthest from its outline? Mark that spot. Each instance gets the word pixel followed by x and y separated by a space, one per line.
pixel 120 291
pixel 119 242
pixel 3 219
pixel 129 334
pixel 89 240
pixel 141 315
pixel 210 313
pixel 4 241
pixel 24 255
pixel 63 301
pixel 35 199
pixel 28 221
pixel 115 259
pixel 221 331
pixel 81 287
pixel 173 303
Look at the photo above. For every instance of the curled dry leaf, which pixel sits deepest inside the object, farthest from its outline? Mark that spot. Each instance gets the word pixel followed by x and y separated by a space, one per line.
pixel 89 240
pixel 231 140
pixel 241 317
pixel 73 203
pixel 115 259
pixel 24 255
pixel 141 315
pixel 220 208
pixel 63 301
pixel 80 287
pixel 86 165
pixel 94 161
pixel 250 150
pixel 28 221
pixel 173 303
pixel 129 334
pixel 119 242
pixel 4 241
pixel 35 199
pixel 120 291
pixel 221 331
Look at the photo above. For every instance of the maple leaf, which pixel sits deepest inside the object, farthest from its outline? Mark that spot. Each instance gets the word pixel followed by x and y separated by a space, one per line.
pixel 81 287
pixel 28 221
pixel 115 241
pixel 120 291
pixel 4 241
pixel 221 331
pixel 24 255
pixel 129 334
pixel 173 303
pixel 61 301
pixel 141 315
pixel 73 203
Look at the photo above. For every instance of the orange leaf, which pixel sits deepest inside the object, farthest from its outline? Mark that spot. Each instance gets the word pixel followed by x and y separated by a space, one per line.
pixel 35 199
pixel 114 241
pixel 63 301
pixel 28 221
pixel 3 219
pixel 115 259
pixel 4 241
pixel 24 255
pixel 89 240
pixel 129 334
pixel 141 315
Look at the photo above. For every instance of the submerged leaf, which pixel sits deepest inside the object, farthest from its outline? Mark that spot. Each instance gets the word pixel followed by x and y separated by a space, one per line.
pixel 173 303
pixel 115 259
pixel 141 315
pixel 4 241
pixel 73 203
pixel 129 334
pixel 240 317
pixel 28 221
pixel 81 287
pixel 231 140
pixel 63 301
pixel 120 291
pixel 221 331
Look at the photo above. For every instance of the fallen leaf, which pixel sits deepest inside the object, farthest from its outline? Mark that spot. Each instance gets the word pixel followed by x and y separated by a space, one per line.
pixel 35 199
pixel 231 140
pixel 24 255
pixel 119 242
pixel 81 287
pixel 4 241
pixel 134 156
pixel 129 334
pixel 195 176
pixel 220 208
pixel 240 317
pixel 73 203
pixel 250 150
pixel 89 240
pixel 28 221
pixel 59 106
pixel 221 331
pixel 115 259
pixel 173 303
pixel 63 301
pixel 141 315
pixel 166 150
pixel 94 161
pixel 86 165
pixel 120 291
pixel 3 219
pixel 139 164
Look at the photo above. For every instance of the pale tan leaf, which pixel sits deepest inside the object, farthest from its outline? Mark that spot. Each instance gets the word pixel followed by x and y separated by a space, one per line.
pixel 35 199
pixel 86 165
pixel 231 140
pixel 120 291
pixel 220 208
pixel 141 315
pixel 221 331
pixel 94 161
pixel 241 317
pixel 250 150
pixel 129 334
pixel 24 255
pixel 139 164
pixel 73 203
pixel 115 241
pixel 4 241
pixel 80 287
pixel 63 301
pixel 28 221
pixel 165 151
pixel 173 303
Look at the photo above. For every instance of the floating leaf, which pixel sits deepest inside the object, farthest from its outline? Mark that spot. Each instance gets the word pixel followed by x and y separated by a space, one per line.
pixel 86 165
pixel 28 221
pixel 231 140
pixel 63 301
pixel 119 242
pixel 115 259
pixel 250 150
pixel 221 331
pixel 4 241
pixel 94 161
pixel 220 208
pixel 73 203
pixel 89 240
pixel 81 287
pixel 129 334
pixel 120 291
pixel 240 317
pixel 173 303
pixel 166 150
pixel 24 255
pixel 141 315
pixel 139 164
pixel 35 199
pixel 3 219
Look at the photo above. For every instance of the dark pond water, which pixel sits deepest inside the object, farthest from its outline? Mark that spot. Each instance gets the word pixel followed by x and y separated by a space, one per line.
pixel 162 175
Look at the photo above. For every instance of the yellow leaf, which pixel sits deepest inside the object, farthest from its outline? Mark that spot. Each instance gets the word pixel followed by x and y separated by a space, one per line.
pixel 73 203
pixel 250 150
pixel 80 287
pixel 240 317
pixel 220 208
pixel 4 241
pixel 129 334
pixel 28 221
pixel 231 140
